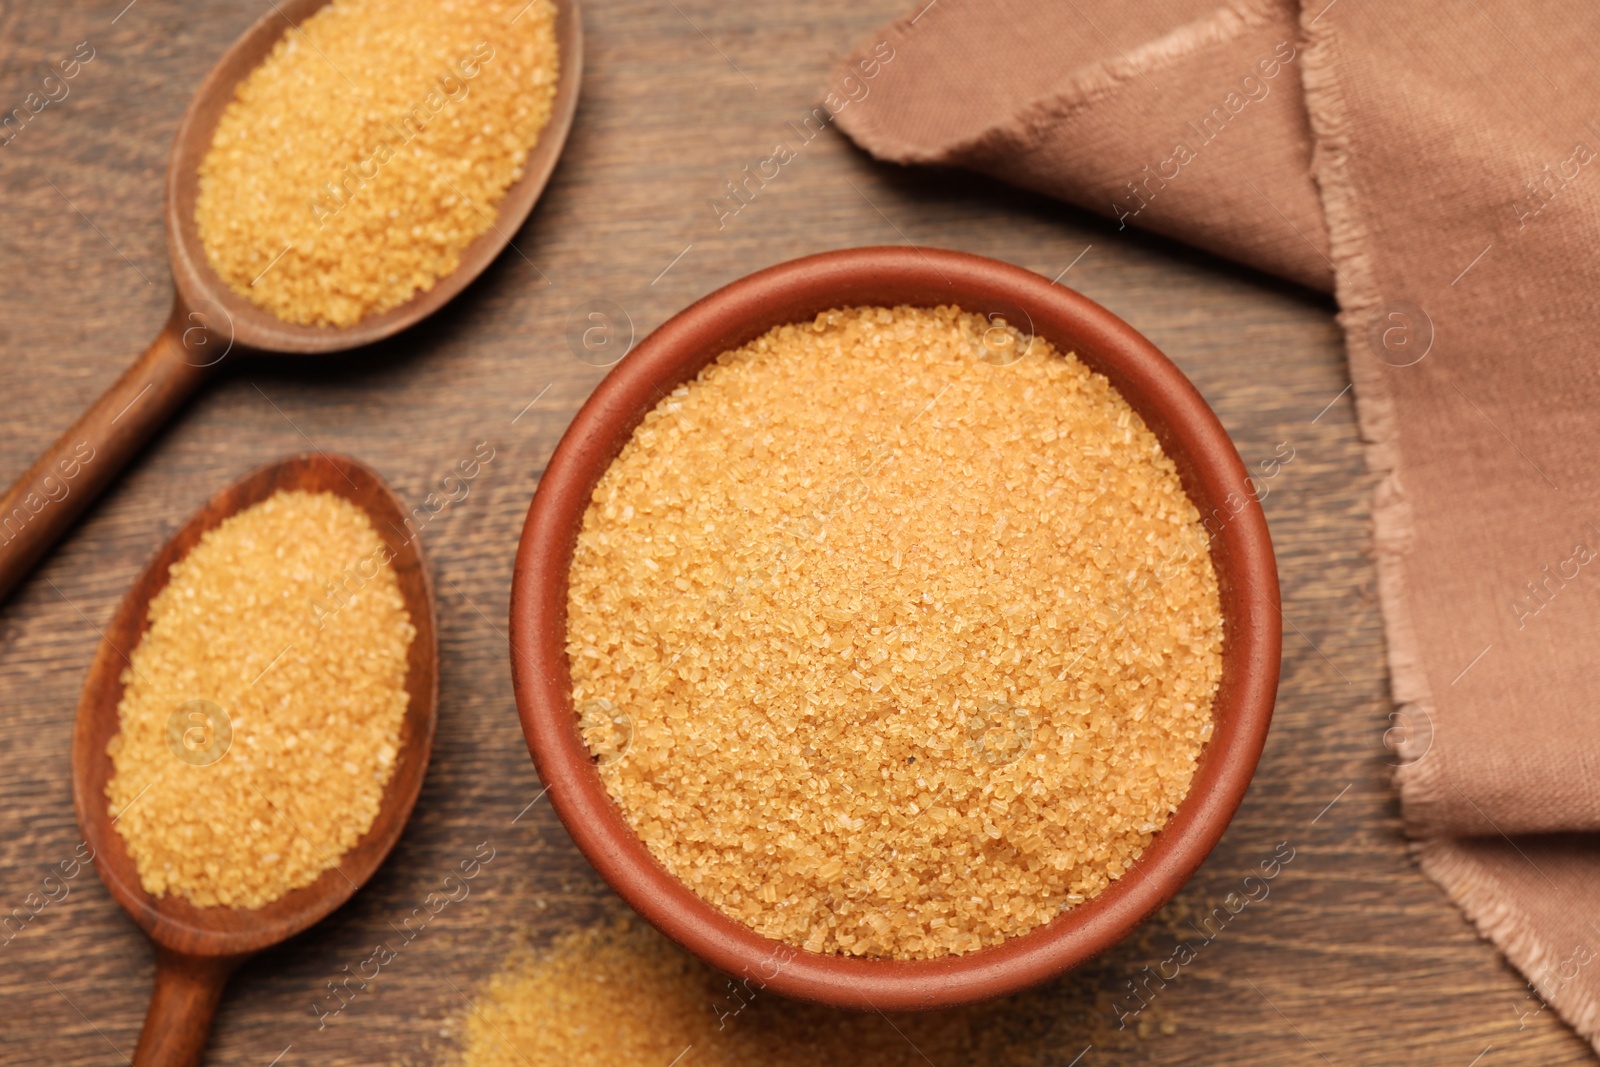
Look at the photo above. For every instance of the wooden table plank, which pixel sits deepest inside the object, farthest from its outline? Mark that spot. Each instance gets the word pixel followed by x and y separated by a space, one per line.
pixel 1354 958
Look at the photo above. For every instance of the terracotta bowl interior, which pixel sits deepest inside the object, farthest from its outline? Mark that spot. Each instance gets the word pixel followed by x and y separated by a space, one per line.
pixel 204 291
pixel 1212 474
pixel 172 920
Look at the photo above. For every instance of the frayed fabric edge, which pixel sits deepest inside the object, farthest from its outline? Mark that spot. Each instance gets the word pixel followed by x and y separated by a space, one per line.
pixel 1359 296
pixel 1484 902
pixel 1081 88
pixel 1480 899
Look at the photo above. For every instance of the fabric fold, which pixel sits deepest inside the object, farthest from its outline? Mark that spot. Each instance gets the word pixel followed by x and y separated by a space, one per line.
pixel 1130 122
pixel 1433 167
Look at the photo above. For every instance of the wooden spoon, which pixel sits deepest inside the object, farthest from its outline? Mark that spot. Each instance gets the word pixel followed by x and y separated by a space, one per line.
pixel 198 948
pixel 209 319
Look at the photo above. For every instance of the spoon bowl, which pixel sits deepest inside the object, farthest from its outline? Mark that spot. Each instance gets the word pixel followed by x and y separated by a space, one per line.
pixel 209 319
pixel 204 292
pixel 197 948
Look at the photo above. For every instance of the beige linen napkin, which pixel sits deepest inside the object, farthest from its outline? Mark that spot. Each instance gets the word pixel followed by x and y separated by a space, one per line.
pixel 1435 165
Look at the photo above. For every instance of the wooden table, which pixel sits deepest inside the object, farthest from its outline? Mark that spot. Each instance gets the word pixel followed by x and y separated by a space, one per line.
pixel 1354 958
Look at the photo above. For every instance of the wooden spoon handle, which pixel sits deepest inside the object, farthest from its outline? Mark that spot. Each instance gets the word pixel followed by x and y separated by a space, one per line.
pixel 41 505
pixel 182 1005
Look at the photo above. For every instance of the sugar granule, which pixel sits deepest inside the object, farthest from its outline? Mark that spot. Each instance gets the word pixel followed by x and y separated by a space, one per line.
pixel 623 996
pixel 370 148
pixel 314 701
pixel 913 627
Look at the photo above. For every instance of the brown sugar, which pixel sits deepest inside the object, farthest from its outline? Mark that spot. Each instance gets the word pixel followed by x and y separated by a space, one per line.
pixel 624 996
pixel 894 633
pixel 258 730
pixel 370 148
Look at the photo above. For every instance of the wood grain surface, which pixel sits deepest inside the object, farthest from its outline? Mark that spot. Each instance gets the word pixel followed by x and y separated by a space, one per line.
pixel 1353 959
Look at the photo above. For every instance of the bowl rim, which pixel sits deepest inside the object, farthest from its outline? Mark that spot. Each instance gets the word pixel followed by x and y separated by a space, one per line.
pixel 1213 475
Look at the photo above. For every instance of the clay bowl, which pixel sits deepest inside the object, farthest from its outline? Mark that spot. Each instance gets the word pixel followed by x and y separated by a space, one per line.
pixel 1212 474
pixel 198 948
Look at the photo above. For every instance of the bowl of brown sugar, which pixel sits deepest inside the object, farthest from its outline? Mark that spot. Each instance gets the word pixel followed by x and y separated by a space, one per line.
pixel 895 629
